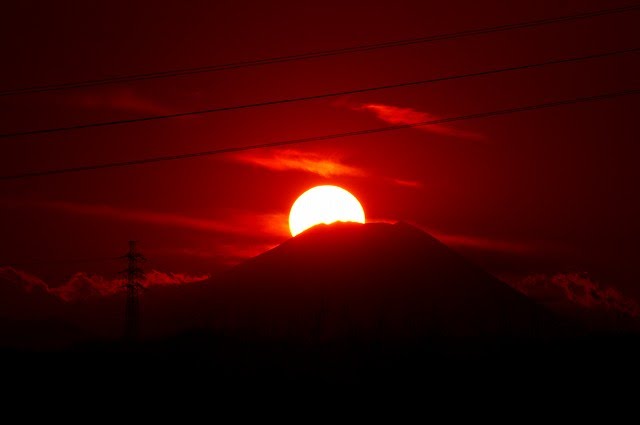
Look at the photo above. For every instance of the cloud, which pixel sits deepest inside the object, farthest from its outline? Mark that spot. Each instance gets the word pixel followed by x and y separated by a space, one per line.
pixel 27 281
pixel 314 163
pixel 229 254
pixel 287 159
pixel 121 100
pixel 255 232
pixel 398 116
pixel 154 278
pixel 86 285
pixel 248 224
pixel 481 243
pixel 407 183
pixel 475 242
pixel 579 289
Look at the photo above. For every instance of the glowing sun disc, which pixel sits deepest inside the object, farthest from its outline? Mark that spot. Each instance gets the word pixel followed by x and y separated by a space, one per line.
pixel 324 204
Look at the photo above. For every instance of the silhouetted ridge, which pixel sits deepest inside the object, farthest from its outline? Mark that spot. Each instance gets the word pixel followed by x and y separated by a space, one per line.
pixel 374 280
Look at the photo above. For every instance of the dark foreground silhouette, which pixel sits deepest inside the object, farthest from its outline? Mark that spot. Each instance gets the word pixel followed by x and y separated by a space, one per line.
pixel 346 302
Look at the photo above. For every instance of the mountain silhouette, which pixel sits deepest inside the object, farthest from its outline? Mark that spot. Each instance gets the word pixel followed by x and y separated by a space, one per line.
pixel 343 302
pixel 377 280
pixel 340 282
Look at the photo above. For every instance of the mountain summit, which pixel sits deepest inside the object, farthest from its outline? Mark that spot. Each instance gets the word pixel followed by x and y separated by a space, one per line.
pixel 378 280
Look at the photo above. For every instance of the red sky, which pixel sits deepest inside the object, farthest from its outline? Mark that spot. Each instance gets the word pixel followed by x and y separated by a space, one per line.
pixel 545 192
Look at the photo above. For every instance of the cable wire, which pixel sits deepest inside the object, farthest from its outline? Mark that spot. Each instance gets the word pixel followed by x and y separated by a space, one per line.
pixel 221 151
pixel 318 96
pixel 318 54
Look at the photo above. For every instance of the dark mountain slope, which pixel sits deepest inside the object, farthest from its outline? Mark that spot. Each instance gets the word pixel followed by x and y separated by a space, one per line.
pixel 380 280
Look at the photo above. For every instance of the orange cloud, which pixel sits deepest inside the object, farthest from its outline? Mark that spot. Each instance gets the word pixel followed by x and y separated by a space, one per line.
pixel 287 159
pixel 398 115
pixel 310 162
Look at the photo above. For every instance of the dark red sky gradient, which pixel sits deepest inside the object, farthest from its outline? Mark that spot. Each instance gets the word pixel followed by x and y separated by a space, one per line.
pixel 551 191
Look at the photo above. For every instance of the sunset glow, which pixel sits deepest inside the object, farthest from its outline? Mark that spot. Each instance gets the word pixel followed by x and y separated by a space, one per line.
pixel 324 204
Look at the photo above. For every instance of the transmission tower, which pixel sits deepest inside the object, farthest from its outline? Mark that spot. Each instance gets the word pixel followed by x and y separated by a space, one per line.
pixel 133 274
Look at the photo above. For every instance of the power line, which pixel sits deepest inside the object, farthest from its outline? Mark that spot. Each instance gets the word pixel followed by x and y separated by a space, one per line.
pixel 318 54
pixel 321 138
pixel 319 96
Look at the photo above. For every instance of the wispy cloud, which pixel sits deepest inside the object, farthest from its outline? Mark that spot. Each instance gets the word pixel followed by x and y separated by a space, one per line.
pixel 287 159
pixel 119 100
pixel 86 285
pixel 399 115
pixel 579 289
pixel 407 183
pixel 240 223
pixel 314 163
pixel 229 254
pixel 27 281
pixel 483 243
pixel 255 232
pixel 475 242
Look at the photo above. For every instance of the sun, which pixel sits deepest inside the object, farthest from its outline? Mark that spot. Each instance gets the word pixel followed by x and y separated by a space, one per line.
pixel 324 204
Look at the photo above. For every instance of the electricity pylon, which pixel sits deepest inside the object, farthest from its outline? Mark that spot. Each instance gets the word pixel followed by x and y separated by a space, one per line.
pixel 133 273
